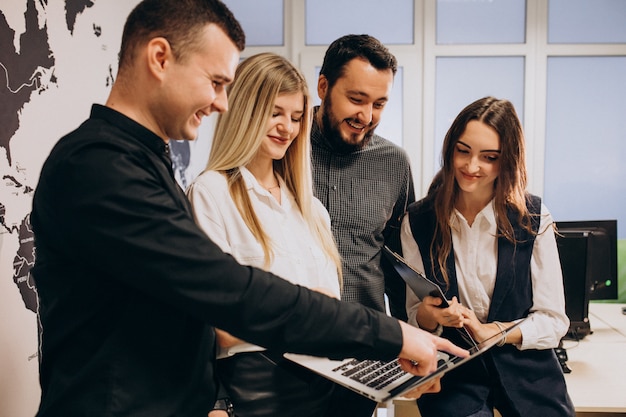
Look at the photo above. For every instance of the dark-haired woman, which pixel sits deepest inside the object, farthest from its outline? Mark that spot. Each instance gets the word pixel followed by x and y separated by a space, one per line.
pixel 491 246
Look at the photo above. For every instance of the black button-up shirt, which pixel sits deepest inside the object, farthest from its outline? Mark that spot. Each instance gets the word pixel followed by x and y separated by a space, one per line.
pixel 129 286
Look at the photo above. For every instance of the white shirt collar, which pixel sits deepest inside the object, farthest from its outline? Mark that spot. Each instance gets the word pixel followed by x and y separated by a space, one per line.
pixel 487 214
pixel 253 183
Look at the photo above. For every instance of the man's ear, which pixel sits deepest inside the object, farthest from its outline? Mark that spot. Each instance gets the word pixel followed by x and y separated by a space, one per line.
pixel 159 55
pixel 322 86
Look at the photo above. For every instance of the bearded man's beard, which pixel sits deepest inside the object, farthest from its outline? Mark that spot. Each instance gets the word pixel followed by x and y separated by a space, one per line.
pixel 330 127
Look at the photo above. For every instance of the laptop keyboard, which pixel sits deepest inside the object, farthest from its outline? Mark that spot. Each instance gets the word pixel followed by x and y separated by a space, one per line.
pixel 375 374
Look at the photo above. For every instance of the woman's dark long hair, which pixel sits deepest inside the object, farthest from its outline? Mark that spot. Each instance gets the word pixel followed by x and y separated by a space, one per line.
pixel 509 187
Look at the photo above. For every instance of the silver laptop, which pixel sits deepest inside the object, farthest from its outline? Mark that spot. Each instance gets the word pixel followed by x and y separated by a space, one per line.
pixel 382 381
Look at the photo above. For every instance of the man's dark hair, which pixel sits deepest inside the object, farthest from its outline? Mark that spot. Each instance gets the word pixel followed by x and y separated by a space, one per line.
pixel 348 47
pixel 178 21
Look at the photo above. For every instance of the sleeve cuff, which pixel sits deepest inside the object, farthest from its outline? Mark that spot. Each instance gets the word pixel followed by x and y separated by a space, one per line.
pixel 389 337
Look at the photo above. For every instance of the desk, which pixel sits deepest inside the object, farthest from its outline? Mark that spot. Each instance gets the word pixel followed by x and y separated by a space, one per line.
pixel 597 383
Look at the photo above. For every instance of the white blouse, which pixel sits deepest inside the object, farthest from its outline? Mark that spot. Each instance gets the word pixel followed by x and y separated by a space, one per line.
pixel 297 256
pixel 476 259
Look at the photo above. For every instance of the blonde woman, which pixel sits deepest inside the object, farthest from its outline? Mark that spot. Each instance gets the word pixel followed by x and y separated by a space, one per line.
pixel 255 201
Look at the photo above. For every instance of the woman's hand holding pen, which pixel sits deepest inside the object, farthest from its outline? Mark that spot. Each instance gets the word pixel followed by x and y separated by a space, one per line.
pixel 480 331
pixel 483 331
pixel 430 313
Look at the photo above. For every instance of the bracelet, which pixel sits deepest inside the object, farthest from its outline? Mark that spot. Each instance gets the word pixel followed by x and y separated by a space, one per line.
pixel 502 333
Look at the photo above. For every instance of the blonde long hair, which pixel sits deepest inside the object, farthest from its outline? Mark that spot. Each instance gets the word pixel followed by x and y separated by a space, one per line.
pixel 239 134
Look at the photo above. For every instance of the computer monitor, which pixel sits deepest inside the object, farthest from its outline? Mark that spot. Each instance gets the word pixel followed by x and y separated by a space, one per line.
pixel 588 254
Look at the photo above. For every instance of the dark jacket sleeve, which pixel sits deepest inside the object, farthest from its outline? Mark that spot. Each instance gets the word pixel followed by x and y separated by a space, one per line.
pixel 119 216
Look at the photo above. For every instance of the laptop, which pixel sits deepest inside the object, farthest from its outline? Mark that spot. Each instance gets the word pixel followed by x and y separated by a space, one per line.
pixel 422 286
pixel 382 381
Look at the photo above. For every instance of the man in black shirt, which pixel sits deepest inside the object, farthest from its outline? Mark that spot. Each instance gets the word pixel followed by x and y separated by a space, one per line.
pixel 129 286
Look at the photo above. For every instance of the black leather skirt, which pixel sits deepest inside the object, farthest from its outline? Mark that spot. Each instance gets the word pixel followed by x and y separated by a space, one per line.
pixel 262 384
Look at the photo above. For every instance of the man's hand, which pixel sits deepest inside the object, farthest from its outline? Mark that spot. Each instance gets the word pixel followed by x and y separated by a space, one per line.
pixel 226 340
pixel 419 350
pixel 434 385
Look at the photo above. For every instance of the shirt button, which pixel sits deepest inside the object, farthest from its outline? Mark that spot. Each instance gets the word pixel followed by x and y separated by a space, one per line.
pixel 334 188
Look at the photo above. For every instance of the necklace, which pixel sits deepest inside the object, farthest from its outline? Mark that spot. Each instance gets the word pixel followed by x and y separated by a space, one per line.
pixel 270 188
pixel 274 190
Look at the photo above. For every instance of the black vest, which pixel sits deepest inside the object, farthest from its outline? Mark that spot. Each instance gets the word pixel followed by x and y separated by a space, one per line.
pixel 531 379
